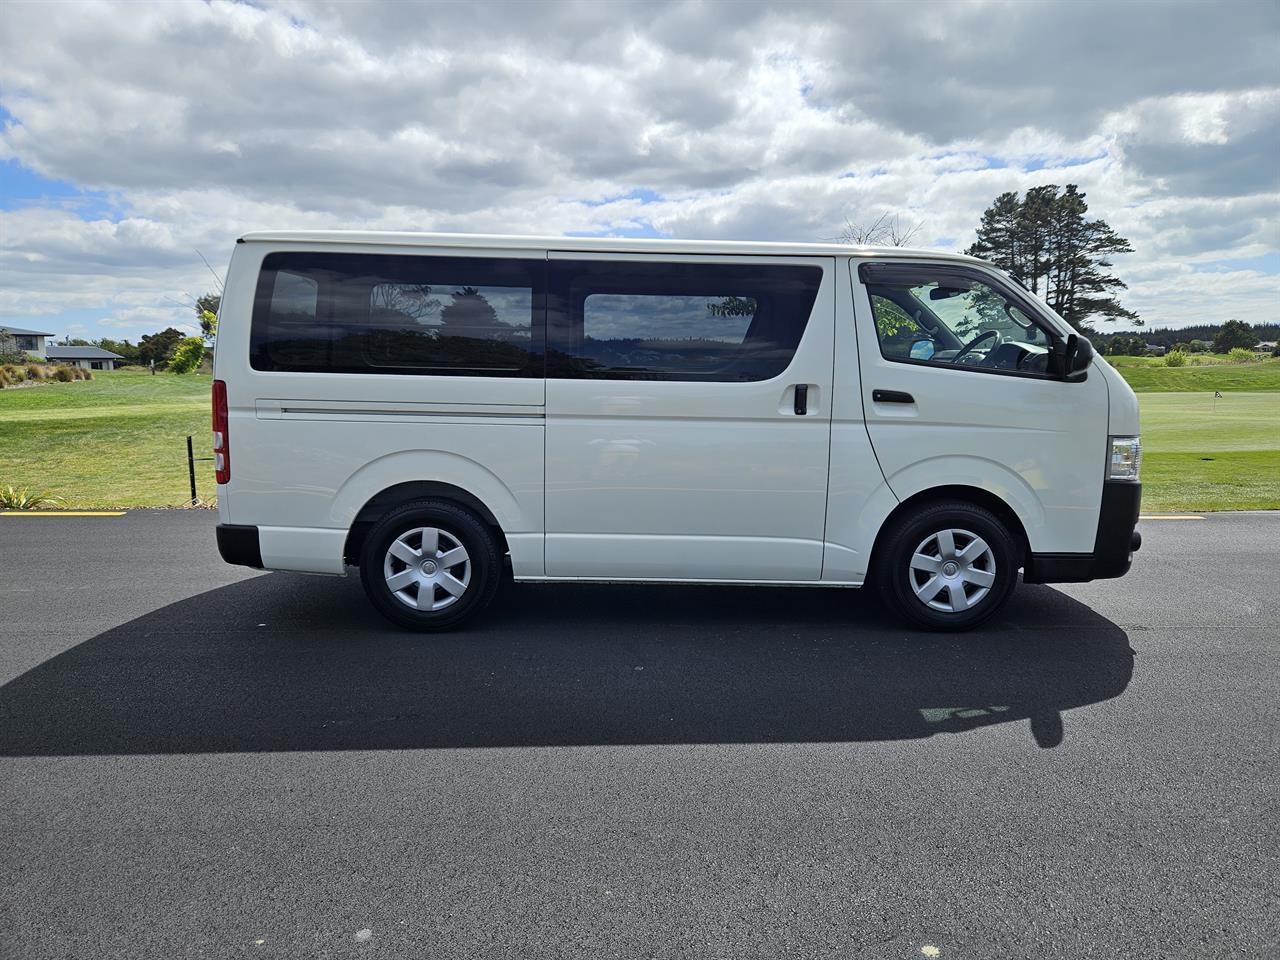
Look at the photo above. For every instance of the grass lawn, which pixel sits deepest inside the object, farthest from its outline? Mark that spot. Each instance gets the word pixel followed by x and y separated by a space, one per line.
pixel 1198 457
pixel 114 441
pixel 1259 375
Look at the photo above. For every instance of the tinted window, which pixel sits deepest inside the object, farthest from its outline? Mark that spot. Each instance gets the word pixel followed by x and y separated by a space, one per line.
pixel 677 321
pixel 368 313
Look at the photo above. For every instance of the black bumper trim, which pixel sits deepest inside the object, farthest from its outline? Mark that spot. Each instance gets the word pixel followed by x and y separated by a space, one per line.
pixel 1113 545
pixel 238 544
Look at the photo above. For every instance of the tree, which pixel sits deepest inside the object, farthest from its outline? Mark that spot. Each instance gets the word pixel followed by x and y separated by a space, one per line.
pixel 1047 242
pixel 188 355
pixel 411 299
pixel 1122 346
pixel 469 315
pixel 882 232
pixel 9 346
pixel 1234 333
pixel 207 314
pixel 159 347
pixel 121 348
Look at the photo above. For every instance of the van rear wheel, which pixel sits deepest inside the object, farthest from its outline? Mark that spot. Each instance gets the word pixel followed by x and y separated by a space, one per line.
pixel 430 565
pixel 948 566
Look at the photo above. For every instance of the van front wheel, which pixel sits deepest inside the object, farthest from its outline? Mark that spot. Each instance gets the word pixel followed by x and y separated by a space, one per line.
pixel 948 566
pixel 430 565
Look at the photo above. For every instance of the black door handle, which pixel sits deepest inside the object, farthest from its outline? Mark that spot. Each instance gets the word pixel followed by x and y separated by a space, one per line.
pixel 891 396
pixel 802 399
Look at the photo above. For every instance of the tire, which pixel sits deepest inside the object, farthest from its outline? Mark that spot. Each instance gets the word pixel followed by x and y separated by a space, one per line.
pixel 933 570
pixel 396 575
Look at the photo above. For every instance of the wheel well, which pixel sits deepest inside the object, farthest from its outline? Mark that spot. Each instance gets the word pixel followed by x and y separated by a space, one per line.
pixel 386 501
pixel 974 495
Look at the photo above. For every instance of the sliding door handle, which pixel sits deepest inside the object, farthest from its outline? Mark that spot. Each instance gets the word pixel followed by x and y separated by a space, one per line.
pixel 802 399
pixel 891 396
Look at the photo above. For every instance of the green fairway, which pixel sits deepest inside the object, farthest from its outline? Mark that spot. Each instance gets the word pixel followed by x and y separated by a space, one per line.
pixel 1202 456
pixel 116 440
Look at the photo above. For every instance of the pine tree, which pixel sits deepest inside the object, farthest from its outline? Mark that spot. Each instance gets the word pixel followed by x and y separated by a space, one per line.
pixel 998 234
pixel 469 315
pixel 1048 243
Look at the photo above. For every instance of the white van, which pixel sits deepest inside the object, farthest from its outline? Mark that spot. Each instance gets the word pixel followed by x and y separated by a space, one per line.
pixel 430 408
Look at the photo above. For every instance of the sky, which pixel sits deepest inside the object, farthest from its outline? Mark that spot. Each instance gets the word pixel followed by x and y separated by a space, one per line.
pixel 137 138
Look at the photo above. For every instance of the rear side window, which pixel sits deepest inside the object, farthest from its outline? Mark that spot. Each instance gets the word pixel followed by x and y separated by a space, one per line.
pixel 622 320
pixel 371 313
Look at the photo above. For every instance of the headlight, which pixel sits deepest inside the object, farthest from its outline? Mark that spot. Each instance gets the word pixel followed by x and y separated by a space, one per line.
pixel 1126 459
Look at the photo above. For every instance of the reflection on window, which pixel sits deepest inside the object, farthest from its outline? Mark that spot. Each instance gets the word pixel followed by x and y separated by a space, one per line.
pixel 679 321
pixel 482 328
pixel 381 314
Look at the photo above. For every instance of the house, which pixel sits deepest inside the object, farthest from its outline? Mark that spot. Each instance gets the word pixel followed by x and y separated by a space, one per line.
pixel 90 358
pixel 26 341
pixel 1156 349
pixel 1265 346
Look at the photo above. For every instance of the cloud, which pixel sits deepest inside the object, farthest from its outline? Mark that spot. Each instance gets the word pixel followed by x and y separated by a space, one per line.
pixel 201 122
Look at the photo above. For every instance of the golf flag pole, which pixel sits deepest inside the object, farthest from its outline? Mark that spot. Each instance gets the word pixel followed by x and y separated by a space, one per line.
pixel 1216 395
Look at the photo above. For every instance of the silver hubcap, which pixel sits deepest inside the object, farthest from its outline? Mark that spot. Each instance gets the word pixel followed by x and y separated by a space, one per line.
pixel 427 568
pixel 952 570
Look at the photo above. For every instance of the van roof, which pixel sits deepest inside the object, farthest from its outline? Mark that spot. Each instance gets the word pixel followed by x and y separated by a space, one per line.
pixel 596 244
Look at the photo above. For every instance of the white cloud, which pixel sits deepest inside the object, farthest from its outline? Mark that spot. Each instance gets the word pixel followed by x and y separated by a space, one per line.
pixel 204 121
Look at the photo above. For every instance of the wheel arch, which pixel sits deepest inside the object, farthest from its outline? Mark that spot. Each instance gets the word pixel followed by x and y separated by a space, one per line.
pixel 952 493
pixel 384 501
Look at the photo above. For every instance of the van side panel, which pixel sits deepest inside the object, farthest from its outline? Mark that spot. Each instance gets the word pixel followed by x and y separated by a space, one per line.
pixel 308 450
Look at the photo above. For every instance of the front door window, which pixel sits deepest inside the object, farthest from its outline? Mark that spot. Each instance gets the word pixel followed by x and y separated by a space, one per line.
pixel 948 318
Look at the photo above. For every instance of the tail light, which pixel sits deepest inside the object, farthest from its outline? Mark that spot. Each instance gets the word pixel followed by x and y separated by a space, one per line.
pixel 221 448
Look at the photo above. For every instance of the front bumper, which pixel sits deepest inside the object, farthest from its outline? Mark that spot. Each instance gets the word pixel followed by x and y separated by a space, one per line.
pixel 1114 545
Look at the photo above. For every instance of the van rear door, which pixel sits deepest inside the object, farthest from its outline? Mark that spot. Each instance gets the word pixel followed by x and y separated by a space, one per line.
pixel 688 416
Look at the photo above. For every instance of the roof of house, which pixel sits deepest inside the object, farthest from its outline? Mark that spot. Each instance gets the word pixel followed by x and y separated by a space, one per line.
pixel 81 353
pixel 19 332
pixel 594 244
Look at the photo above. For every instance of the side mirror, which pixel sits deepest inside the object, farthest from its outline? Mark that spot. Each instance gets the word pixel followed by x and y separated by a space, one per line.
pixel 922 349
pixel 1073 357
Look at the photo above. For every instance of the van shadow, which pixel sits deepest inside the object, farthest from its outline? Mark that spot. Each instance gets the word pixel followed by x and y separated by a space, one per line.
pixel 285 662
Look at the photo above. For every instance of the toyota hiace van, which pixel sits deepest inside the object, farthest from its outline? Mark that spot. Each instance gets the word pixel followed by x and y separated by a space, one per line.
pixel 435 410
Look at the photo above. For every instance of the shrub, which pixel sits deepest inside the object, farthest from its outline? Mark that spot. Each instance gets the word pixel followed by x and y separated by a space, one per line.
pixel 1241 355
pixel 1175 359
pixel 64 375
pixel 34 372
pixel 11 498
pixel 187 356
pixel 88 374
pixel 16 374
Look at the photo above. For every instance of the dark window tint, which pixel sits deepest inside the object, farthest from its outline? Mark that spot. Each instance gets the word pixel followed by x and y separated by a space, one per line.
pixel 367 313
pixel 677 321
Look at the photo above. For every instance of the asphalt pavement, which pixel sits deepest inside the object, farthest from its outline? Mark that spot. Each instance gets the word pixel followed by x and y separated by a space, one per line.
pixel 199 760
